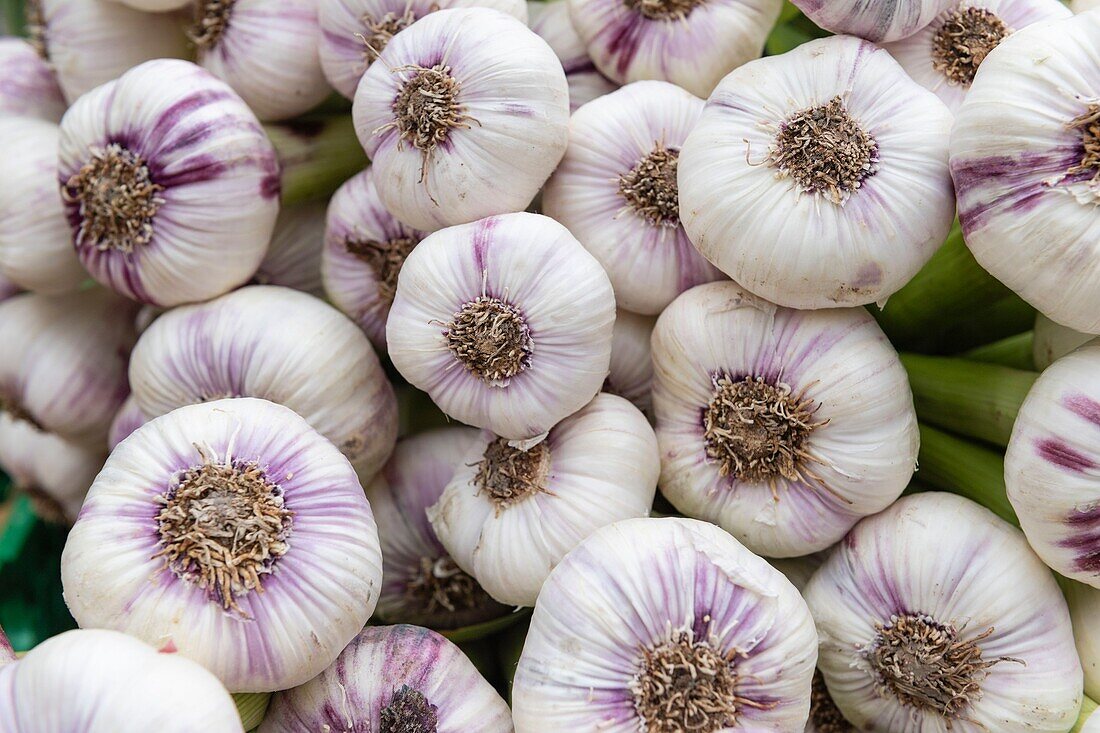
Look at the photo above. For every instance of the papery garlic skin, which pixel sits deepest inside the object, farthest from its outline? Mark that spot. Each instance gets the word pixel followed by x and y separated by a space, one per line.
pixel 552 22
pixel 1053 341
pixel 492 138
pixel 641 583
pixel 941 562
pixel 29 87
pixel 412 678
pixel 615 190
pixel 631 374
pixel 293 259
pixel 128 419
pixel 278 344
pixel 1084 612
pixel 323 570
pixel 527 271
pixel 99 681
pixel 875 21
pixel 595 467
pixel 845 448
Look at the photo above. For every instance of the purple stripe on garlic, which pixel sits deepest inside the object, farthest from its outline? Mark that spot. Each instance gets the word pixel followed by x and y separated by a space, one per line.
pixel 293 259
pixel 28 86
pixel 879 21
pixel 631 371
pixel 551 21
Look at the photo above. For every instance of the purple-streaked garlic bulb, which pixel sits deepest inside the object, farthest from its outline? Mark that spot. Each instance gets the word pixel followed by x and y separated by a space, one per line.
pixel 552 22
pixel 29 87
pixel 494 128
pixel 665 625
pixel 393 679
pixel 616 191
pixel 691 43
pixel 631 374
pixel 233 532
pixel 878 21
pixel 770 195
pixel 128 419
pixel 506 323
pixel 355 32
pixel 944 57
pixel 595 467
pixel 293 259
pixel 1084 612
pixel 278 344
pixel 171 186
pixel 936 616
pixel 1025 156
pixel 97 681
pixel 1052 341
pixel 365 248
pixel 784 427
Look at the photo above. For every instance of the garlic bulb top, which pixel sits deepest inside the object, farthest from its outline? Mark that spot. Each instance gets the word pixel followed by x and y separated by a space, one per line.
pixel 293 259
pixel 551 21
pixel 665 625
pixel 1053 341
pixel 495 127
pixel 29 86
pixel 97 681
pixel 935 616
pixel 1026 163
pixel 769 195
pixel 631 370
pixel 128 419
pixel 691 43
pixel 1084 612
pixel 403 679
pixel 233 532
pixel 505 322
pixel 278 344
pixel 875 21
pixel 616 191
pixel 170 184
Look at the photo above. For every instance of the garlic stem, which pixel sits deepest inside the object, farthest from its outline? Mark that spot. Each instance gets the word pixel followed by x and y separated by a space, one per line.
pixel 315 156
pixel 950 463
pixel 1011 351
pixel 251 706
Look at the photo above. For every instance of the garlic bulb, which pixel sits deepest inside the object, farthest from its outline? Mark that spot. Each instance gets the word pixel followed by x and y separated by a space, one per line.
pixel 945 55
pixel 505 322
pixel 1084 611
pixel 691 43
pixel 875 21
pixel 665 625
pixel 29 87
pixel 128 419
pixel 97 681
pixel 403 679
pixel 769 196
pixel 495 127
pixel 293 259
pixel 550 20
pixel 934 615
pixel 1026 163
pixel 1083 6
pixel 1053 341
pixel 365 248
pixel 595 467
pixel 616 191
pixel 170 184
pixel 233 532
pixel 278 344
pixel 783 427
pixel 355 32
pixel 631 374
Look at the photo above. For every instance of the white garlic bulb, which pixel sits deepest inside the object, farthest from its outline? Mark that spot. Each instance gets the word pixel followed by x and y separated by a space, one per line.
pixel 29 87
pixel 631 370
pixel 1083 6
pixel 1052 341
pixel 171 185
pixel 616 191
pixel 233 532
pixel 495 127
pixel 665 624
pixel 784 427
pixel 505 322
pixel 876 21
pixel 935 616
pixel 403 679
pixel 278 344
pixel 97 681
pixel 769 195
pixel 595 467
pixel 691 43
pixel 128 419
pixel 1026 165
pixel 1084 612
pixel 293 259
pixel 551 21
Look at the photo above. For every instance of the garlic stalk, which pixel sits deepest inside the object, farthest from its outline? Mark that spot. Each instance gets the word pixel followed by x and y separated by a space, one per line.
pixel 315 156
pixel 403 679
pixel 495 127
pixel 875 21
pixel 769 196
pixel 128 419
pixel 293 258
pixel 784 427
pixel 616 191
pixel 1016 352
pixel 1053 341
pixel 505 322
pixel 935 615
pixel 29 86
pixel 1084 611
pixel 550 20
pixel 234 533
pixel 631 371
pixel 665 625
pixel 950 463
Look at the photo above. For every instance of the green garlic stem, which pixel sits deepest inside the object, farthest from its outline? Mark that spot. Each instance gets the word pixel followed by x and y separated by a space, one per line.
pixel 316 155
pixel 952 464
pixel 251 706
pixel 1088 707
pixel 1015 352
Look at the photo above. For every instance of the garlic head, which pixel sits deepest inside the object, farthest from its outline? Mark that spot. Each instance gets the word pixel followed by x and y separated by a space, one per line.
pixel 29 87
pixel 876 21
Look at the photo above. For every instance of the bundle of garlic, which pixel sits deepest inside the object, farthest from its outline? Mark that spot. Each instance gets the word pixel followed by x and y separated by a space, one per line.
pixel 552 22
pixel 29 86
pixel 293 258
pixel 875 21
pixel 631 370
pixel 1052 341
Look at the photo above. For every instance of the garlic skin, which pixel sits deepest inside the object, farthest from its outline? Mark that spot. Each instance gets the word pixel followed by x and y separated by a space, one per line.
pixel 202 178
pixel 631 374
pixel 615 190
pixel 105 682
pixel 595 467
pixel 550 20
pixel 845 446
pixel 1084 612
pixel 1053 341
pixel 522 285
pixel 278 344
pixel 29 87
pixel 393 678
pixel 293 259
pixel 1083 6
pixel 941 565
pixel 1028 189
pixel 691 44
pixel 642 584
pixel 128 419
pixel 252 464
pixel 496 131
pixel 876 21
pixel 752 198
